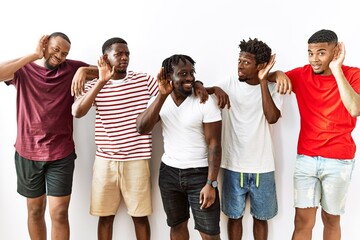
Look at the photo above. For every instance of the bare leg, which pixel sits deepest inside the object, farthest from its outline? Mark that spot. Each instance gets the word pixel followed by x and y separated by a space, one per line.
pixel 36 220
pixel 235 229
pixel 180 231
pixel 142 228
pixel 105 227
pixel 205 236
pixel 260 229
pixel 332 229
pixel 58 207
pixel 304 223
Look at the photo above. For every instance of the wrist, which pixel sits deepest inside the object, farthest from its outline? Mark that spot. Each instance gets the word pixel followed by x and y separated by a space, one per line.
pixel 212 183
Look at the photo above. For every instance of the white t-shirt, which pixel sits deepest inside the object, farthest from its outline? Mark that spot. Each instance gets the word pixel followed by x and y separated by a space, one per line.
pixel 246 135
pixel 183 131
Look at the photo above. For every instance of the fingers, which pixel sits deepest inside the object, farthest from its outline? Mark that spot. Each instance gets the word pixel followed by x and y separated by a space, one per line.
pixel 223 101
pixel 206 202
pixel 284 87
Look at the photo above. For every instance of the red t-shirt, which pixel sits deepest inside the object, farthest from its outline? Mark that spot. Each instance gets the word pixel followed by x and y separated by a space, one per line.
pixel 44 119
pixel 326 125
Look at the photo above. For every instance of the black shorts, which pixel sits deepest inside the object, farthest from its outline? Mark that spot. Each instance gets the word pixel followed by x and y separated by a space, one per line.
pixel 35 178
pixel 180 190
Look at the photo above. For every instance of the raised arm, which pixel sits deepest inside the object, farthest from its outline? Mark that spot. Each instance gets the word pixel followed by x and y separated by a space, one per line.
pixel 8 68
pixel 212 132
pixel 349 96
pixel 146 121
pixel 82 104
pixel 271 112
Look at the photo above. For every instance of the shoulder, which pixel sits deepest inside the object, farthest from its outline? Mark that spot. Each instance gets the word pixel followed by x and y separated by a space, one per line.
pixel 75 63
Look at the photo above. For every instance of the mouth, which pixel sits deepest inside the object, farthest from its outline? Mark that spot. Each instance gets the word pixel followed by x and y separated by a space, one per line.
pixel 188 85
pixel 316 67
pixel 55 60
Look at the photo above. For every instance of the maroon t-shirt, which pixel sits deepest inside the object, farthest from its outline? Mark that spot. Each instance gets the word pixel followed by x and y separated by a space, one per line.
pixel 44 119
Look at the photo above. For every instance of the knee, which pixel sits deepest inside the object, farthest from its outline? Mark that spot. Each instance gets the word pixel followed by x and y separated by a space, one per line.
pixel 141 221
pixel 59 214
pixel 36 212
pixel 36 209
pixel 302 222
pixel 106 221
pixel 330 220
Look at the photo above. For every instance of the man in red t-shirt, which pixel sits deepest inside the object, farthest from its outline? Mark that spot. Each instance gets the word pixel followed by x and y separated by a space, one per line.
pixel 45 153
pixel 327 94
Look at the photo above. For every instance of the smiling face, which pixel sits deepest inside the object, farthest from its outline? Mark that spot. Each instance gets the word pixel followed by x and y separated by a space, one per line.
pixel 320 55
pixel 56 52
pixel 183 78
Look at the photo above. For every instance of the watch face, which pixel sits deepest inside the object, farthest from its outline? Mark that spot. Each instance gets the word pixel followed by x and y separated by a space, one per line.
pixel 214 184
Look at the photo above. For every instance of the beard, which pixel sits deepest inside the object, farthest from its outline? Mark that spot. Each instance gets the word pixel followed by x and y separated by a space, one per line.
pixel 243 79
pixel 49 66
pixel 318 73
pixel 121 71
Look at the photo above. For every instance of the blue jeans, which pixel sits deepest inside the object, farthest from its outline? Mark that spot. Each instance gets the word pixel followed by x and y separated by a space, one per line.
pixel 261 189
pixel 324 181
pixel 180 190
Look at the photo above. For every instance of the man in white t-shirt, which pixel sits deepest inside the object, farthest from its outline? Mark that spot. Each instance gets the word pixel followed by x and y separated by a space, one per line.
pixel 192 144
pixel 248 154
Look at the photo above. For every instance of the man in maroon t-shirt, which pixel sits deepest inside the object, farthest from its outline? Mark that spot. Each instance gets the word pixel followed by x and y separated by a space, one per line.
pixel 45 153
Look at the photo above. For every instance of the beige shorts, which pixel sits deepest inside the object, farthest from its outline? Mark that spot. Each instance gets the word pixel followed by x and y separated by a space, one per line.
pixel 113 179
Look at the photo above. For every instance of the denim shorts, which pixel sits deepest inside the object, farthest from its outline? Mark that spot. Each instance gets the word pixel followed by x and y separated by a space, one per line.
pixel 261 190
pixel 180 190
pixel 35 178
pixel 322 181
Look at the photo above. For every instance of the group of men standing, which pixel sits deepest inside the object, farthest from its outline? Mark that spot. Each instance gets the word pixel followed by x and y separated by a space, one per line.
pixel 202 134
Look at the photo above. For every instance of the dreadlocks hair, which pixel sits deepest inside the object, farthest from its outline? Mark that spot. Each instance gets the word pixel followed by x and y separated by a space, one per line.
pixel 60 34
pixel 170 62
pixel 108 43
pixel 259 49
pixel 323 36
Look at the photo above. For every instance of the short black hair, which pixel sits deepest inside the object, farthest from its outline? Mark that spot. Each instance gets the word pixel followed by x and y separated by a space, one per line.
pixel 173 60
pixel 323 36
pixel 108 43
pixel 60 34
pixel 259 49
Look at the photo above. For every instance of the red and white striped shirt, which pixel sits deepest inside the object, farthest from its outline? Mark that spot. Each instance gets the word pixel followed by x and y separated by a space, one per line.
pixel 117 106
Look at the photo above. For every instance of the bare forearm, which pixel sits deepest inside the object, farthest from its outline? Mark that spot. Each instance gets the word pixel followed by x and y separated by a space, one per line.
pixel 271 112
pixel 83 104
pixel 349 97
pixel 8 68
pixel 146 121
pixel 214 161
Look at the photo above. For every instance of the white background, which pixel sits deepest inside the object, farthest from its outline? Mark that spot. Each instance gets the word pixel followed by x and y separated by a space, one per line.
pixel 209 31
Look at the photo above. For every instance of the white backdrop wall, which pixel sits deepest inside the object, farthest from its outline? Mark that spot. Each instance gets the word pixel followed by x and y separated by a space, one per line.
pixel 210 32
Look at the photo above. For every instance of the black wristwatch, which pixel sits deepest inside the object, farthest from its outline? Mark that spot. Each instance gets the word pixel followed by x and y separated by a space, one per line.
pixel 212 183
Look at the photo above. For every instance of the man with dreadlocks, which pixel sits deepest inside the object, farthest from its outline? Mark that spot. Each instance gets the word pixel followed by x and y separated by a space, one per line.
pixel 192 144
pixel 248 154
pixel 327 94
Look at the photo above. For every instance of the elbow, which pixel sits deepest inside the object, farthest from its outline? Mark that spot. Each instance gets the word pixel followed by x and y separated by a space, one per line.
pixel 274 118
pixel 354 110
pixel 355 113
pixel 77 113
pixel 140 127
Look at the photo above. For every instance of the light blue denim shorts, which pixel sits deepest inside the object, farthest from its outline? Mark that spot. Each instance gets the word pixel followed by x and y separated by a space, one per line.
pixel 260 188
pixel 322 181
